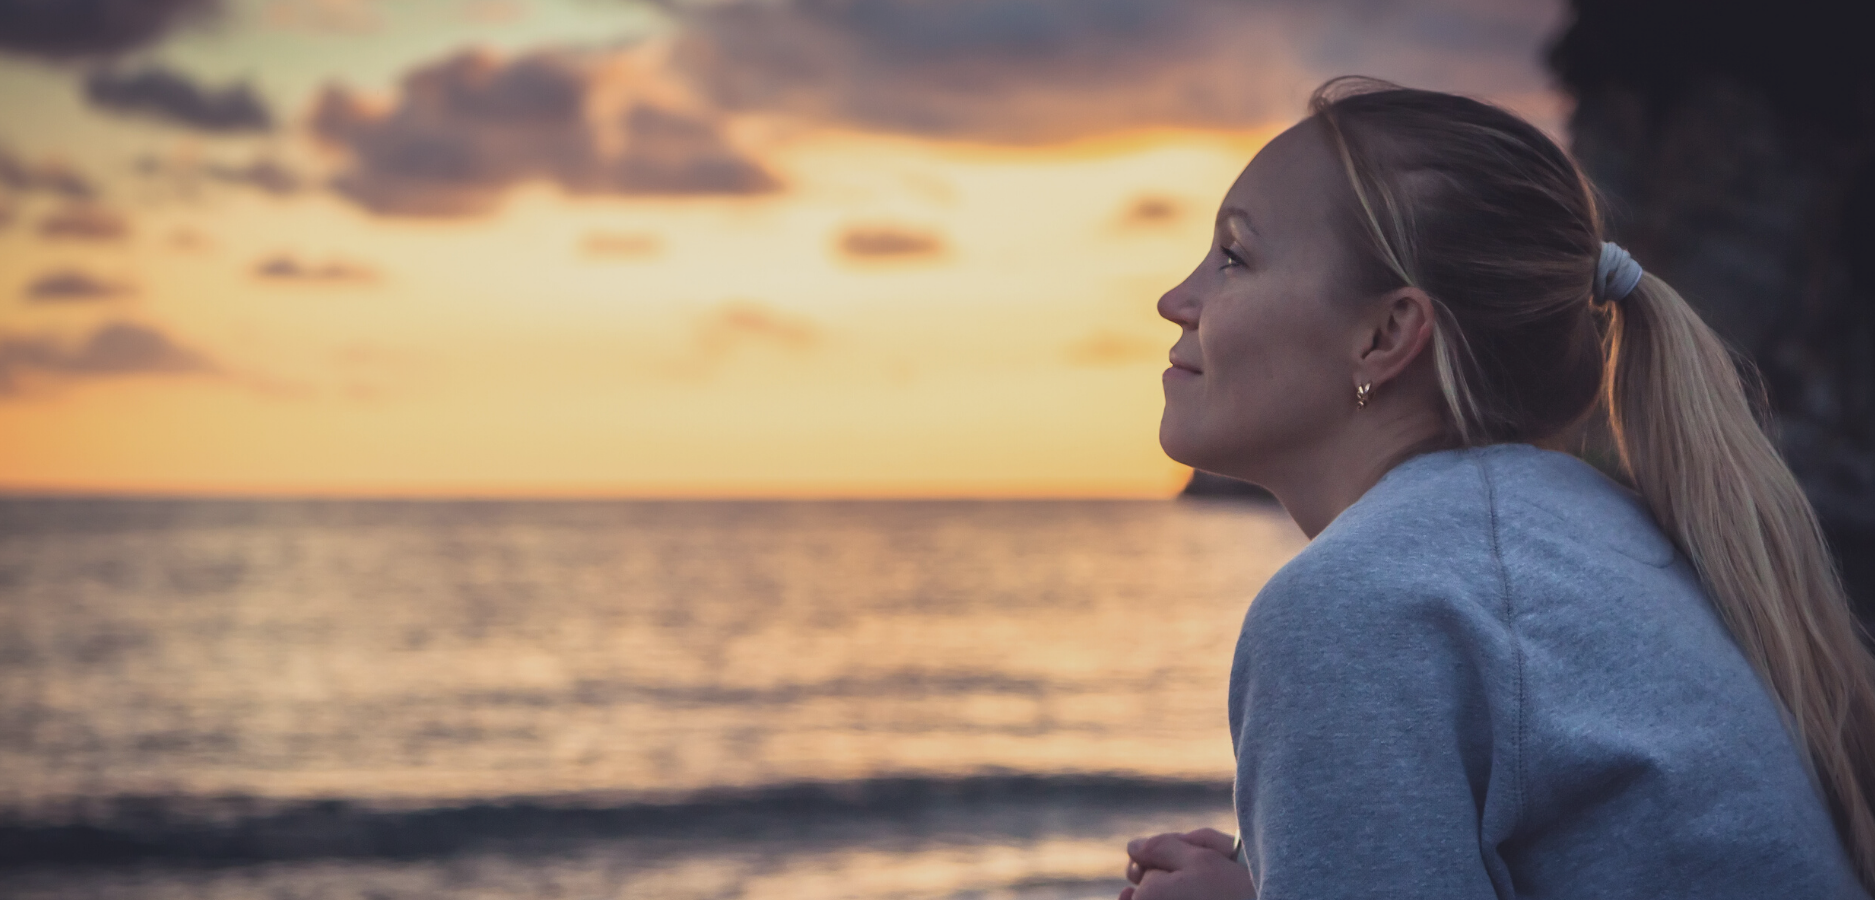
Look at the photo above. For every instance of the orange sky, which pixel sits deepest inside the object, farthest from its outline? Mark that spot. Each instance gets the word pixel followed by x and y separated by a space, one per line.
pixel 859 286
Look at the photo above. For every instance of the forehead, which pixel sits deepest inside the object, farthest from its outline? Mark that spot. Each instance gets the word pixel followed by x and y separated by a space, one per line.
pixel 1288 188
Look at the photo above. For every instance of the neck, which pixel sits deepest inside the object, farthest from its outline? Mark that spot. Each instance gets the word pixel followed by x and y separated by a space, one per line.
pixel 1315 484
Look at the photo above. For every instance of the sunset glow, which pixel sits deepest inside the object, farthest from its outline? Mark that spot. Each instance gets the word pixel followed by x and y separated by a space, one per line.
pixel 696 281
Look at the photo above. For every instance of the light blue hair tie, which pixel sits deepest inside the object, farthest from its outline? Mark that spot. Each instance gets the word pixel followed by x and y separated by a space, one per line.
pixel 1616 273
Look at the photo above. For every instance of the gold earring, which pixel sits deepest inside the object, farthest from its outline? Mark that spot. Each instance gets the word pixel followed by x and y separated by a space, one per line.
pixel 1360 394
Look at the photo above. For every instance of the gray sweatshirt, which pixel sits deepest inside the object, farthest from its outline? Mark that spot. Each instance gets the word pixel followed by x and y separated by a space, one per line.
pixel 1493 676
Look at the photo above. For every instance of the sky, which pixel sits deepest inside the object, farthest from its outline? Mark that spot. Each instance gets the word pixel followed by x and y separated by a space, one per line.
pixel 721 248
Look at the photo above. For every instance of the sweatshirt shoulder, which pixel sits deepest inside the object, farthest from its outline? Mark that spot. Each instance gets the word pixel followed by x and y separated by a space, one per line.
pixel 1569 513
pixel 1458 527
pixel 1423 539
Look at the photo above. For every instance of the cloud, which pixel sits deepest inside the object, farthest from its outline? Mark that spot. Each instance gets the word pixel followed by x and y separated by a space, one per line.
pixel 73 286
pixel 284 267
pixel 189 240
pixel 1106 348
pixel 84 222
pixel 170 96
pixel 743 334
pixel 1036 71
pixel 1014 71
pixel 463 130
pixel 889 242
pixel 493 12
pixel 660 117
pixel 262 173
pixel 46 177
pixel 112 350
pixel 655 118
pixel 621 245
pixel 325 16
pixel 80 29
pixel 1152 209
pixel 737 323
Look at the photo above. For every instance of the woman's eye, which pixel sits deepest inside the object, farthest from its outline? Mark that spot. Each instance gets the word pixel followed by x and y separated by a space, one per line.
pixel 1230 259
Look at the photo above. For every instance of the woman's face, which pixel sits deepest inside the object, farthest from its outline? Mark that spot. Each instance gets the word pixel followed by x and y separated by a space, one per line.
pixel 1264 369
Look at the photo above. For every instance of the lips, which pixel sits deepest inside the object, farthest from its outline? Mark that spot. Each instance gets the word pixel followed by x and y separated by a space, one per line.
pixel 1185 366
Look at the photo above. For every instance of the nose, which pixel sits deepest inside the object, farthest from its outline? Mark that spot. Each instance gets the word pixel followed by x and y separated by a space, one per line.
pixel 1178 305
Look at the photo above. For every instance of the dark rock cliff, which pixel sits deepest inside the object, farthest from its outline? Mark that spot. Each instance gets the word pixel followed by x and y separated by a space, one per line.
pixel 1735 143
pixel 1204 484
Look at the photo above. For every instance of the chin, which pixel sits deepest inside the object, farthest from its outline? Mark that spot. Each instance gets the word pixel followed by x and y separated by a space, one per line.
pixel 1179 444
pixel 1191 447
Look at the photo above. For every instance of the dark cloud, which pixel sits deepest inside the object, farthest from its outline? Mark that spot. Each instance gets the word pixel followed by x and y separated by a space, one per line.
pixel 84 222
pixel 1028 71
pixel 621 245
pixel 1002 70
pixel 288 268
pixel 261 173
pixel 465 129
pixel 114 349
pixel 46 177
pixel 1152 209
pixel 170 96
pixel 82 29
pixel 73 286
pixel 889 242
pixel 651 119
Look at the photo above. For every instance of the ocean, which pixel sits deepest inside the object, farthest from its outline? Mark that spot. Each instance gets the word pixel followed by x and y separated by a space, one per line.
pixel 604 699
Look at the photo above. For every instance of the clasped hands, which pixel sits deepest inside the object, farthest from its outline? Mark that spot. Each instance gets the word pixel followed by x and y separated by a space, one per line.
pixel 1195 865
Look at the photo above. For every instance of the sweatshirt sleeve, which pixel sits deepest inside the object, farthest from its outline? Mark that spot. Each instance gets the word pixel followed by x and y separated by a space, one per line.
pixel 1369 745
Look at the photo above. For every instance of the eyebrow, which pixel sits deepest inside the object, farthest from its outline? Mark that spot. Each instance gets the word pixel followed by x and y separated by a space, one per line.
pixel 1233 216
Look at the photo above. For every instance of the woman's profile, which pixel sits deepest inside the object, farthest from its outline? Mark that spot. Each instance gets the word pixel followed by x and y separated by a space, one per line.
pixel 1495 672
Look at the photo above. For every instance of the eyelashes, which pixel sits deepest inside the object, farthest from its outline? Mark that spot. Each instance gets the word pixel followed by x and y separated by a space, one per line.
pixel 1231 260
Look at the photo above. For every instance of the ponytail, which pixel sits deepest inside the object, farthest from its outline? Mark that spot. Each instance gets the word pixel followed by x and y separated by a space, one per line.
pixel 1492 219
pixel 1689 439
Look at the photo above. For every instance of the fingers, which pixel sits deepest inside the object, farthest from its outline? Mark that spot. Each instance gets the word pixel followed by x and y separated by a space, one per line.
pixel 1163 851
pixel 1133 872
pixel 1126 893
pixel 1211 839
pixel 1209 876
pixel 1135 846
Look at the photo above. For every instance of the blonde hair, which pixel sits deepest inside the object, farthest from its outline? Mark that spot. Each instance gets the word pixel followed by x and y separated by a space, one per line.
pixel 1498 225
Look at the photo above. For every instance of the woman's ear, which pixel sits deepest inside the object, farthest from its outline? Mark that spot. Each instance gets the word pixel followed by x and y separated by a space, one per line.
pixel 1394 334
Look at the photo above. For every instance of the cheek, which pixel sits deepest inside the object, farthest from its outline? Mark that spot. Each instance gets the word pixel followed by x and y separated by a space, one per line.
pixel 1272 381
pixel 1259 383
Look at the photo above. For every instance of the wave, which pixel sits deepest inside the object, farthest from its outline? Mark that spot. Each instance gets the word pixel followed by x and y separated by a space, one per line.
pixel 235 829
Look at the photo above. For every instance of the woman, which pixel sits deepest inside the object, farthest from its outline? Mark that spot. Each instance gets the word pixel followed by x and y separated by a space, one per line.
pixel 1494 672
